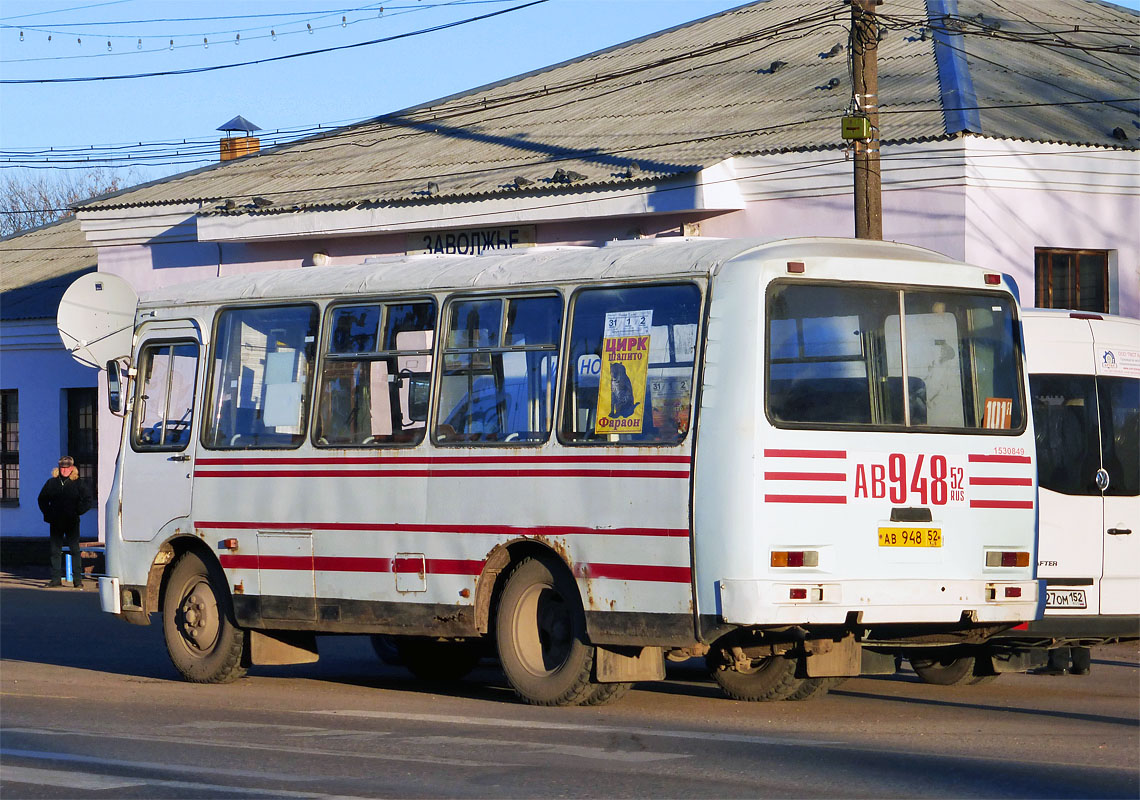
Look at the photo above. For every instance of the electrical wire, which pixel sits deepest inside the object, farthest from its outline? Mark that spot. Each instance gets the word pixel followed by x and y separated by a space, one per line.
pixel 216 67
pixel 389 12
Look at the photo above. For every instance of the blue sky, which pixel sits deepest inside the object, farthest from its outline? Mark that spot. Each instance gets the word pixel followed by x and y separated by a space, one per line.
pixel 326 89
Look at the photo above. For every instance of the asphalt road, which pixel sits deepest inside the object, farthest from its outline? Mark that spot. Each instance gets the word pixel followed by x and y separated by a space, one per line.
pixel 92 708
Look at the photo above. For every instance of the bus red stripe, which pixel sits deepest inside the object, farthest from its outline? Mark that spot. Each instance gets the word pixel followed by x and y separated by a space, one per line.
pixel 805 454
pixel 405 527
pixel 805 476
pixel 805 498
pixel 1001 481
pixel 395 459
pixel 443 473
pixel 634 572
pixel 976 458
pixel 1001 504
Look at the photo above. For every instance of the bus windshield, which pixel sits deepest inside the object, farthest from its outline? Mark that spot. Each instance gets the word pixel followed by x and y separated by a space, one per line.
pixel 842 355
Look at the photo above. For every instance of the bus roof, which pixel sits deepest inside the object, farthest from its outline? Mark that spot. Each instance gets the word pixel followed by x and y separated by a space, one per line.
pixel 629 260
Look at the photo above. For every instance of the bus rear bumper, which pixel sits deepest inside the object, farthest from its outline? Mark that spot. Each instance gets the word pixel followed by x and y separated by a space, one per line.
pixel 758 602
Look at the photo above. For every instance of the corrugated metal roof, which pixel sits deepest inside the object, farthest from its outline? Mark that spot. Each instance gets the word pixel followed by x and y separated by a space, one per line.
pixel 687 98
pixel 37 266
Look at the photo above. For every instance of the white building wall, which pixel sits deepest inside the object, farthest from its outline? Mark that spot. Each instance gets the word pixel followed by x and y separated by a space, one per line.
pixel 33 362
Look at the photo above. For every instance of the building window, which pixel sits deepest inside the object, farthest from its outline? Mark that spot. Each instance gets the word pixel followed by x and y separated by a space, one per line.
pixel 1076 279
pixel 83 433
pixel 9 446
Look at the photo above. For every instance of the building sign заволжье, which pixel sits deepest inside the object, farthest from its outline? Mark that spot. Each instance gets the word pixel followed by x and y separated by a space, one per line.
pixel 470 241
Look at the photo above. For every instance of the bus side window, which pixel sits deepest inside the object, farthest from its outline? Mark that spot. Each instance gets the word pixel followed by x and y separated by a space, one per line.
pixel 1065 427
pixel 376 375
pixel 632 353
pixel 165 406
pixel 260 377
pixel 499 366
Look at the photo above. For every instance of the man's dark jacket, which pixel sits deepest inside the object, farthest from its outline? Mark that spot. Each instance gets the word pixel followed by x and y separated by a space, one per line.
pixel 62 500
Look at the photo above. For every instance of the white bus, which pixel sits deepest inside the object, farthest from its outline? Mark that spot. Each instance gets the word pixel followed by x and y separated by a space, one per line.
pixel 791 457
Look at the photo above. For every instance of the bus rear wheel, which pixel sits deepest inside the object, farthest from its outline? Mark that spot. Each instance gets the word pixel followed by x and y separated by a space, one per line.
pixel 772 678
pixel 540 631
pixel 203 640
pixel 959 671
pixel 811 688
pixel 438 660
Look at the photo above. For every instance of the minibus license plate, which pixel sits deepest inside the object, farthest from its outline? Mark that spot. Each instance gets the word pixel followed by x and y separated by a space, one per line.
pixel 910 537
pixel 1065 598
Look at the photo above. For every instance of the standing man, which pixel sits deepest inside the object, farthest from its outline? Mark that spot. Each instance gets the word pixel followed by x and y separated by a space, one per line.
pixel 63 498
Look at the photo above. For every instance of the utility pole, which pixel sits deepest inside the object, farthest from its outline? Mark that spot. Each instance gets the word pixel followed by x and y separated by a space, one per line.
pixel 865 77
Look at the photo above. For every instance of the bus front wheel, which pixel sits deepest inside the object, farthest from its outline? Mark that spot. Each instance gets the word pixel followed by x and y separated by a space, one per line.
pixel 202 638
pixel 541 636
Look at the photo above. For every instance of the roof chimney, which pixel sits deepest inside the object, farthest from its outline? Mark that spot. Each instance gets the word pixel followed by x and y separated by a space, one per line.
pixel 231 148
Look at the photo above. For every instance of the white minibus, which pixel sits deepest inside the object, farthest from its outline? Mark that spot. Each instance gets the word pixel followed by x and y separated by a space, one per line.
pixel 790 457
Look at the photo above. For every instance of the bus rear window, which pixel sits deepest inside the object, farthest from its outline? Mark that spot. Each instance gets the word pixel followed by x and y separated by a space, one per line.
pixel 880 356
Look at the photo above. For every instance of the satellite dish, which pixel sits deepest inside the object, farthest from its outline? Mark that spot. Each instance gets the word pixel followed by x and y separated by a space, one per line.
pixel 96 318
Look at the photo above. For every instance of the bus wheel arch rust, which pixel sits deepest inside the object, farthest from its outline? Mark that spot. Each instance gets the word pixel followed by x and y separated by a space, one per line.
pixel 497 567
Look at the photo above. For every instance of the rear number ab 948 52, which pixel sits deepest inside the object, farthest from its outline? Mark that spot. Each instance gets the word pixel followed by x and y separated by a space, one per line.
pixel 910 537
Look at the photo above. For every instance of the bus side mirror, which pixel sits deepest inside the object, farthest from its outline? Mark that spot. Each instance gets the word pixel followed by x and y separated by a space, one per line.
pixel 419 395
pixel 114 388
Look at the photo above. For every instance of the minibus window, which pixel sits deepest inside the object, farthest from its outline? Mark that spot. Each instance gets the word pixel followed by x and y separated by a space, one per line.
pixel 834 355
pixel 1066 430
pixel 632 351
pixel 841 355
pixel 376 375
pixel 499 367
pixel 260 377
pixel 165 406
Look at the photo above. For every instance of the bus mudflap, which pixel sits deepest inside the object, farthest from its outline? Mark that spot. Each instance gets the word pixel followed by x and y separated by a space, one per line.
pixel 615 664
pixel 270 648
pixel 831 658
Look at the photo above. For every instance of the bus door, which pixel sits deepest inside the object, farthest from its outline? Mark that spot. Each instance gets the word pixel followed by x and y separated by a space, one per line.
pixel 158 465
pixel 1118 393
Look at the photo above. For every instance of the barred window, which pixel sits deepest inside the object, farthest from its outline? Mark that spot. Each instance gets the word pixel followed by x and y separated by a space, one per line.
pixel 9 445
pixel 1076 279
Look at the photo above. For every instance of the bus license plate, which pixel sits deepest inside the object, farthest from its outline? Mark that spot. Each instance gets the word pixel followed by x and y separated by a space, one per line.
pixel 1065 598
pixel 910 537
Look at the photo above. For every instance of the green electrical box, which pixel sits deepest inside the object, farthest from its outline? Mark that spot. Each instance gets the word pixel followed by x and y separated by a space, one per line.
pixel 856 126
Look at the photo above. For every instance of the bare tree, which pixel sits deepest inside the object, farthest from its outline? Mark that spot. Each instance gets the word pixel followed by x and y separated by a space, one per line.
pixel 30 199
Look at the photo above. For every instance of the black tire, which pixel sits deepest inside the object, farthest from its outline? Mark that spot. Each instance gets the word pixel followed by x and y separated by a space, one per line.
pixel 771 679
pixel 945 671
pixel 812 688
pixel 438 660
pixel 540 631
pixel 203 640
pixel 604 693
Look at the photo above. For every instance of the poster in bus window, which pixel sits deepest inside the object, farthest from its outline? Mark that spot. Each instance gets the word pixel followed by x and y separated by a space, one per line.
pixel 625 367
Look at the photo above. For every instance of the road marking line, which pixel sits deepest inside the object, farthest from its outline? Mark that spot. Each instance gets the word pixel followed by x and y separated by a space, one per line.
pixel 64 780
pixel 574 751
pixel 115 763
pixel 574 727
pixel 40 696
pixel 198 741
